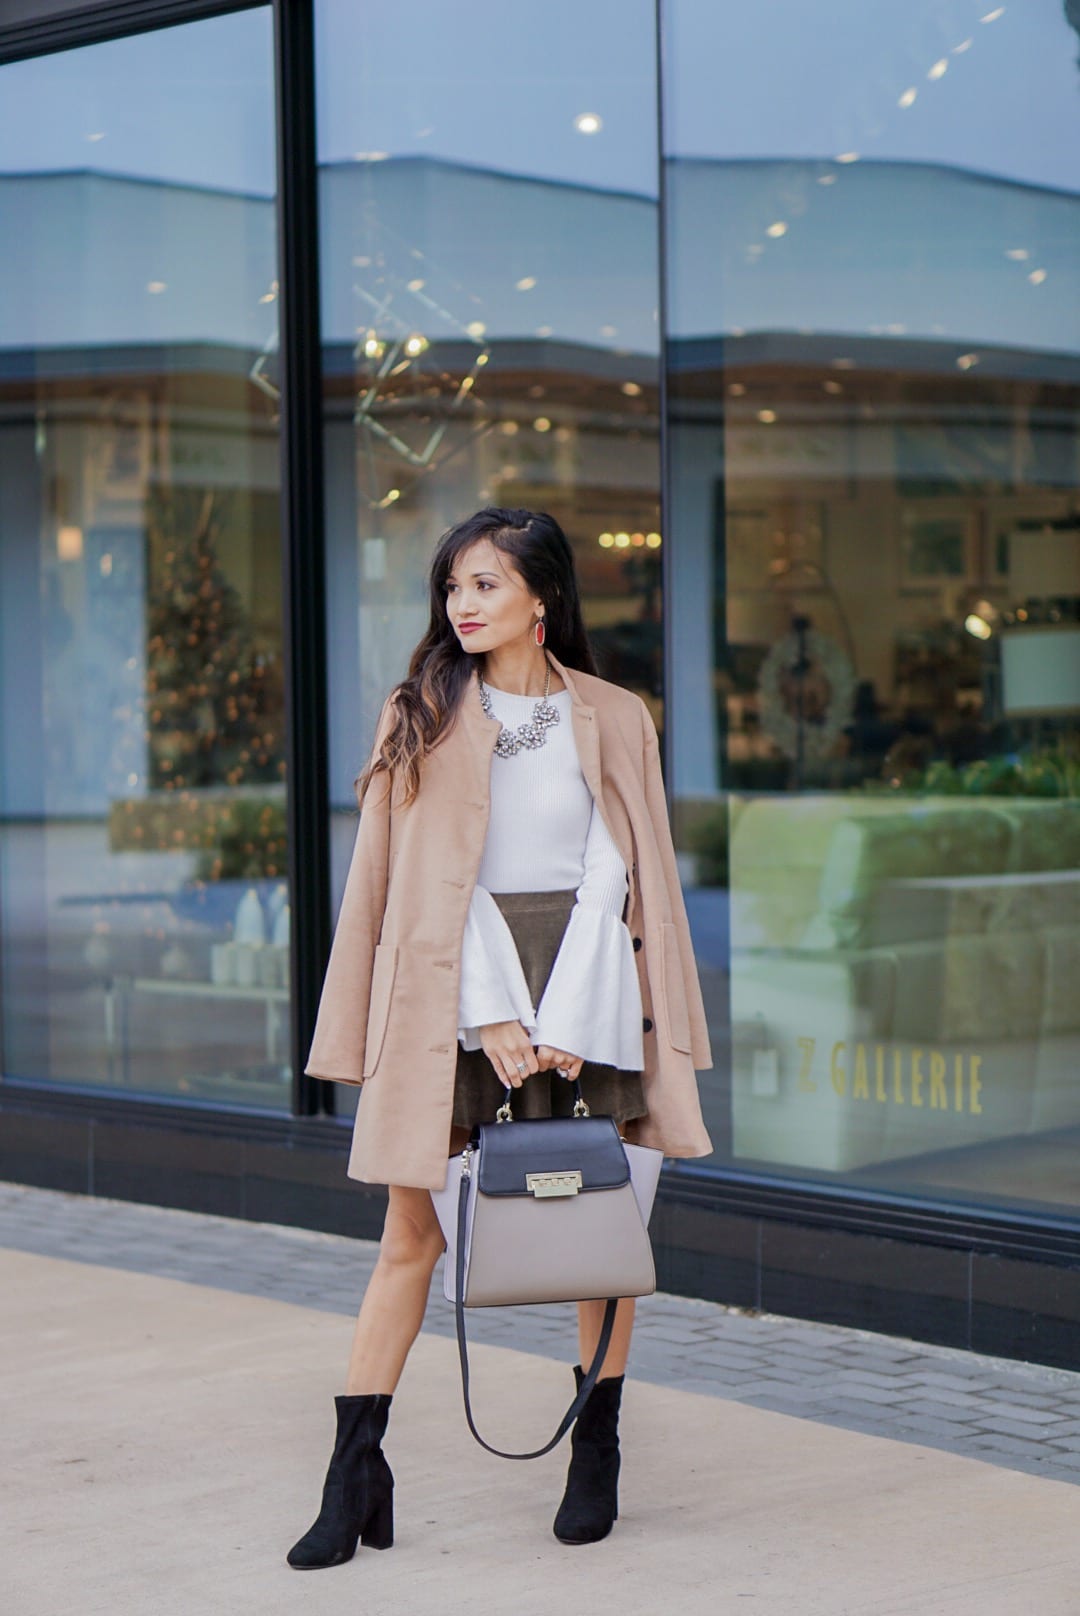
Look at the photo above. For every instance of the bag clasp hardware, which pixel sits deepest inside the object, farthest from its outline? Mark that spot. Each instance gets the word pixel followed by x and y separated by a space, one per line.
pixel 545 1186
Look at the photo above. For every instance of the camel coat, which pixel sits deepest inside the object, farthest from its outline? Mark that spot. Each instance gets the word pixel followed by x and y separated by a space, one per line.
pixel 388 1014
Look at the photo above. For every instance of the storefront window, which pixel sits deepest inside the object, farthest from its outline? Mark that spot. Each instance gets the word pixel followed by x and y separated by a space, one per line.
pixel 873 264
pixel 490 320
pixel 143 896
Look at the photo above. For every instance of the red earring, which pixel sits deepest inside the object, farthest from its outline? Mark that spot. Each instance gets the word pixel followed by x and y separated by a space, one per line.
pixel 540 633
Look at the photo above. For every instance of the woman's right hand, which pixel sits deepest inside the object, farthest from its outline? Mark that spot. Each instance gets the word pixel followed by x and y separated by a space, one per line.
pixel 506 1044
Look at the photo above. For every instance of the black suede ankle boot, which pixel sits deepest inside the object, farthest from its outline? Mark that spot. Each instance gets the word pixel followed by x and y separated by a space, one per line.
pixel 590 1505
pixel 358 1493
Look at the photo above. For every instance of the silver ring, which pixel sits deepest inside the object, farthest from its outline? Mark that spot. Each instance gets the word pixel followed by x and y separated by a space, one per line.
pixel 562 1071
pixel 521 1066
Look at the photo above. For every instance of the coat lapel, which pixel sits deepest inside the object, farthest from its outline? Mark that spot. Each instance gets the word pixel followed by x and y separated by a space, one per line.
pixel 472 741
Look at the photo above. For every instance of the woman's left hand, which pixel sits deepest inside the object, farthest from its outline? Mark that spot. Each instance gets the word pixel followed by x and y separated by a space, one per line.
pixel 548 1059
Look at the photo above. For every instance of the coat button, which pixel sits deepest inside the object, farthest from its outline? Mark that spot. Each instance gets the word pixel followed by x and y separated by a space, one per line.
pixel 646 1025
pixel 637 944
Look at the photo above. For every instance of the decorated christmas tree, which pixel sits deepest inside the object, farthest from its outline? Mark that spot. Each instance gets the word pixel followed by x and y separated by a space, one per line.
pixel 214 701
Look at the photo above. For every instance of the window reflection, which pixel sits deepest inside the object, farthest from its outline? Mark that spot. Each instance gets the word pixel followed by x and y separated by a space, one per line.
pixel 875 401
pixel 490 321
pixel 143 890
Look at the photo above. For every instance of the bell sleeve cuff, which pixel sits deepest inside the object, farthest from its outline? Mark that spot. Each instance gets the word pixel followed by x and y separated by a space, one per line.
pixel 493 985
pixel 591 1005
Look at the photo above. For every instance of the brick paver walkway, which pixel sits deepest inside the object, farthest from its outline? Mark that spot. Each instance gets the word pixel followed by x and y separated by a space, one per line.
pixel 1023 1416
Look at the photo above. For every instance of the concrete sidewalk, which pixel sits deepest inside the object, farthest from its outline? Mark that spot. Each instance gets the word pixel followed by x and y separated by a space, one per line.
pixel 1024 1416
pixel 165 1443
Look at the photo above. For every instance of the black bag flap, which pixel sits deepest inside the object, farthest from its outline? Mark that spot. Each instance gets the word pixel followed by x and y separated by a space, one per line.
pixel 587 1145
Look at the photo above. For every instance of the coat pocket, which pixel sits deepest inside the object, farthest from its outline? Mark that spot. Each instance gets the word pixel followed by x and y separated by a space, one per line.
pixel 673 988
pixel 383 973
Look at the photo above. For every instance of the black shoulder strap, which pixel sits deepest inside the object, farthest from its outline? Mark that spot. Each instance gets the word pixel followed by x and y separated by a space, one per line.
pixel 587 1384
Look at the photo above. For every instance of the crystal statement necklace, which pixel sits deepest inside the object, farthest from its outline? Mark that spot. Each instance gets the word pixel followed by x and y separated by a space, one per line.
pixel 531 734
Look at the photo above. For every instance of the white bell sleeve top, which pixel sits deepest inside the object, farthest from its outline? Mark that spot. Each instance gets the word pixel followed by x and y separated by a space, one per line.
pixel 545 834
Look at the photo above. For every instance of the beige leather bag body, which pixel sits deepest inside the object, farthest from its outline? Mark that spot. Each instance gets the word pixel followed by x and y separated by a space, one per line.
pixel 547 1210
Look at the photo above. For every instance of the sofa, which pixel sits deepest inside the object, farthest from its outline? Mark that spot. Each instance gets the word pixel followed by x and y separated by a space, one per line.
pixel 905 974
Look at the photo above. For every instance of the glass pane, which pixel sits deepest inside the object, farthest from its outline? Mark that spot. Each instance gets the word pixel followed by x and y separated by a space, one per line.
pixel 489 320
pixel 143 890
pixel 873 256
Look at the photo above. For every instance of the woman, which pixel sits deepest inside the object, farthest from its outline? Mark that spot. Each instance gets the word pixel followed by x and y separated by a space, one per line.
pixel 512 919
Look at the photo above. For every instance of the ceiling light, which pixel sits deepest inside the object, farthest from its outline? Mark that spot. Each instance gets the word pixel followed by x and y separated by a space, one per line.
pixel 652 540
pixel 588 123
pixel 1019 254
pixel 908 98
pixel 848 157
pixel 767 416
pixel 777 229
pixel 1037 277
pixel 622 541
pixel 631 389
pixel 526 283
pixel 156 286
pixel 606 540
pixel 980 621
pixel 966 360
pixel 476 329
pixel 939 69
pixel 541 424
pixel 992 16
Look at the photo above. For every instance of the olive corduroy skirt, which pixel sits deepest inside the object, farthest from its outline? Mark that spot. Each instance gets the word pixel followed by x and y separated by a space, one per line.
pixel 537 921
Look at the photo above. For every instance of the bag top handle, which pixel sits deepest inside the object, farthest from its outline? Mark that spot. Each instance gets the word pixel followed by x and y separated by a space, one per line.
pixel 505 1113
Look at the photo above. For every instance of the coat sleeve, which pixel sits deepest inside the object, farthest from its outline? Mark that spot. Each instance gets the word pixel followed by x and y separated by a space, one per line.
pixel 656 802
pixel 337 1046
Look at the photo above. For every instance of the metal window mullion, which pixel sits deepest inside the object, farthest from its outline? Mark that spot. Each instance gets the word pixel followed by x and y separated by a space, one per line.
pixel 302 512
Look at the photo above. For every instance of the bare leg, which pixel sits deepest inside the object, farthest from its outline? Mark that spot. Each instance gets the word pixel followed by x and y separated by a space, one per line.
pixel 393 1307
pixel 590 1319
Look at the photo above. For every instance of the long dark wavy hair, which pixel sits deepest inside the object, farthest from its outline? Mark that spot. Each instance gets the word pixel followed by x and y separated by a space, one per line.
pixel 427 700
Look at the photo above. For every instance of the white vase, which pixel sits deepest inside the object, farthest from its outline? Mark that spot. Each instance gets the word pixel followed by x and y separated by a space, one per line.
pixel 249 927
pixel 281 926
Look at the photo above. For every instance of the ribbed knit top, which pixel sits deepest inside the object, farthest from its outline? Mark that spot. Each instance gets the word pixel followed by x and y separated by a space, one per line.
pixel 545 835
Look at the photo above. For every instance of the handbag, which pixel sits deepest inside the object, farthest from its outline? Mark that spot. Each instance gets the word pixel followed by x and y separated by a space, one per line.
pixel 547 1210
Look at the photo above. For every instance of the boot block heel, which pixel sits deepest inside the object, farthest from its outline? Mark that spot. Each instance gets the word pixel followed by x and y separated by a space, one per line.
pixel 378 1532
